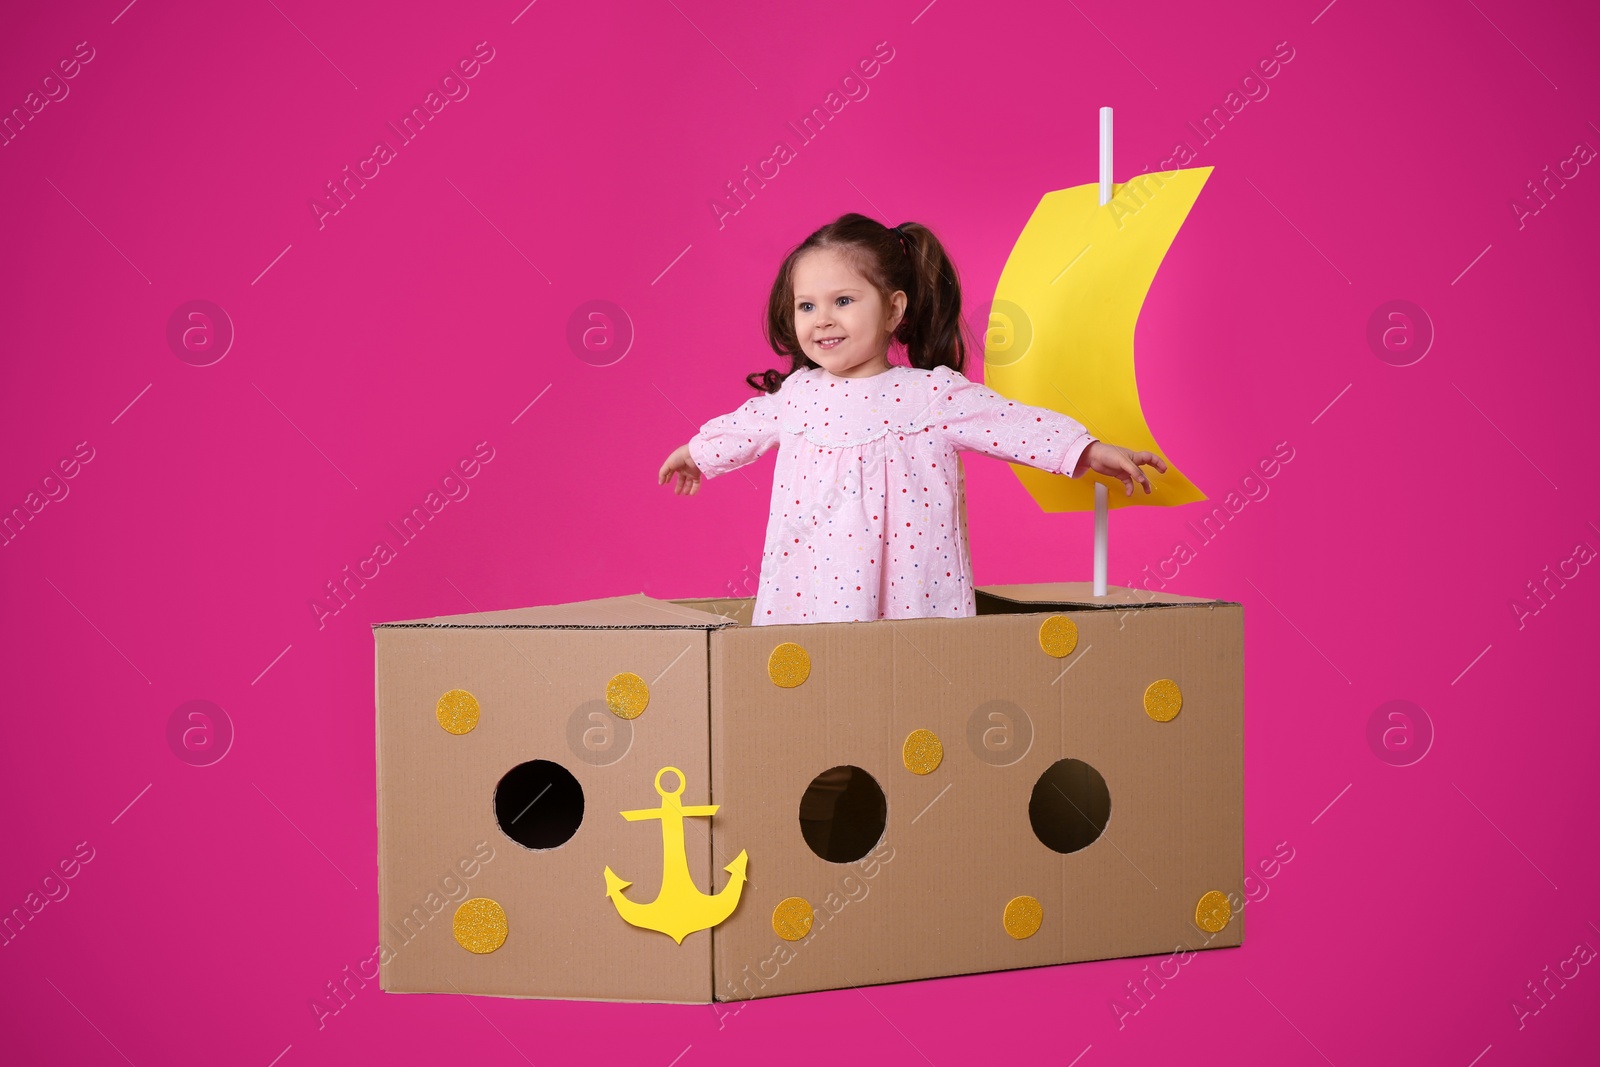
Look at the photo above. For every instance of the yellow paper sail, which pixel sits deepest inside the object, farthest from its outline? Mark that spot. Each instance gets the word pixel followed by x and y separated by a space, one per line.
pixel 1061 329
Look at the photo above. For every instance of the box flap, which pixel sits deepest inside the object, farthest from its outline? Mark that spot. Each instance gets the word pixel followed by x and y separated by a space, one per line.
pixel 633 612
pixel 1077 595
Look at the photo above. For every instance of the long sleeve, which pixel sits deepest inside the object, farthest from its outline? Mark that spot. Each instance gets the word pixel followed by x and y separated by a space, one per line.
pixel 730 441
pixel 975 418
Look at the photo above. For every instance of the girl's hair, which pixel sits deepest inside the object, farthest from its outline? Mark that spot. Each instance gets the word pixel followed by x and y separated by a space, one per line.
pixel 932 330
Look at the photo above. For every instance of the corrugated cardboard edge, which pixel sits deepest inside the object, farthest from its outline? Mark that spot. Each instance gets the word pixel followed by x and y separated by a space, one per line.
pixel 377 807
pixel 633 612
pixel 1078 596
pixel 552 999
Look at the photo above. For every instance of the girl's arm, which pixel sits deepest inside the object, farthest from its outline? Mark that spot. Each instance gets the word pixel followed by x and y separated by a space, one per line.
pixel 975 418
pixel 978 419
pixel 730 441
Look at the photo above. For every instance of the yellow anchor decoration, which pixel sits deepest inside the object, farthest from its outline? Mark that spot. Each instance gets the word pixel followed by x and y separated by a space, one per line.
pixel 680 908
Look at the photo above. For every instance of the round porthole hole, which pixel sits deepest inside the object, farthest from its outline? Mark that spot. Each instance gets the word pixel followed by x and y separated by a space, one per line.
pixel 843 814
pixel 539 804
pixel 1070 806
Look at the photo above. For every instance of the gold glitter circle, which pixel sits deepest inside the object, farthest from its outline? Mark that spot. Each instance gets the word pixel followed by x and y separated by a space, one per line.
pixel 480 925
pixel 1213 912
pixel 1058 635
pixel 627 695
pixel 789 665
pixel 791 919
pixel 923 752
pixel 1163 700
pixel 457 711
pixel 1023 916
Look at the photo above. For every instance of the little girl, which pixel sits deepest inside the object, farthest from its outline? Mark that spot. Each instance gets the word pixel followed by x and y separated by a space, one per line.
pixel 868 516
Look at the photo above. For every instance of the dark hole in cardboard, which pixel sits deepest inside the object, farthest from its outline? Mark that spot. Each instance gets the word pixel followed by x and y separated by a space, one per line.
pixel 1070 806
pixel 539 804
pixel 843 814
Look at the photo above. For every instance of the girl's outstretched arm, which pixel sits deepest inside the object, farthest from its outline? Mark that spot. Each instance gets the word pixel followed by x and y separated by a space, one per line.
pixel 978 419
pixel 975 418
pixel 725 443
pixel 682 464
pixel 1118 462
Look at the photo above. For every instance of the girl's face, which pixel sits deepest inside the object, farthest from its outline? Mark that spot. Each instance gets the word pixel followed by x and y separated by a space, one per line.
pixel 842 323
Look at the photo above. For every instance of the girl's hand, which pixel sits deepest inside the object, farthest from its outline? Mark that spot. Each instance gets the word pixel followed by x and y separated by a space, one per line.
pixel 1118 462
pixel 682 464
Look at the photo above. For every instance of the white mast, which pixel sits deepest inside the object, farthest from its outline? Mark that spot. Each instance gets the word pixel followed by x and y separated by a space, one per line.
pixel 1102 504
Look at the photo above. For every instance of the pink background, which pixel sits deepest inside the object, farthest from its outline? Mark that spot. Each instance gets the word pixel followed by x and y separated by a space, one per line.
pixel 374 352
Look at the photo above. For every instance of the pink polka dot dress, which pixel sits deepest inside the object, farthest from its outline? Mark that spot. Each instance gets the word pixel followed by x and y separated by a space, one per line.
pixel 868 516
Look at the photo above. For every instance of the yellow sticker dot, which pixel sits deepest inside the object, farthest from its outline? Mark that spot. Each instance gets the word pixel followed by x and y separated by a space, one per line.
pixel 923 752
pixel 627 695
pixel 1023 916
pixel 480 925
pixel 1213 912
pixel 1058 635
pixel 457 711
pixel 1163 700
pixel 791 919
pixel 789 665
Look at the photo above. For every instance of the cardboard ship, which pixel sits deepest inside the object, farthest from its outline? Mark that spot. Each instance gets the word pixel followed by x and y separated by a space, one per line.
pixel 655 800
pixel 1058 778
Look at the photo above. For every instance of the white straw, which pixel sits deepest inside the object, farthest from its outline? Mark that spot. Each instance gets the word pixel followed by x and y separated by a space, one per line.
pixel 1102 499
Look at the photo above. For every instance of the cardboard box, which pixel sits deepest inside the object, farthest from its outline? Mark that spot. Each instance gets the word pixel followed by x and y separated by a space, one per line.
pixel 919 874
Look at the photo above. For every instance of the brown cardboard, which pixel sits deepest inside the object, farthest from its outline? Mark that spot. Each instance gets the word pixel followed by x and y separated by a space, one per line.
pixel 958 844
pixel 530 668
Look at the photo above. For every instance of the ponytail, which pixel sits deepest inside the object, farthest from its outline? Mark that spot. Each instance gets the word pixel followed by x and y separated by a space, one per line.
pixel 932 329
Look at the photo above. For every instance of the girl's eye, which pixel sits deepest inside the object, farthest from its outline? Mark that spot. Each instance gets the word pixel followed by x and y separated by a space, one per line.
pixel 843 300
pixel 805 305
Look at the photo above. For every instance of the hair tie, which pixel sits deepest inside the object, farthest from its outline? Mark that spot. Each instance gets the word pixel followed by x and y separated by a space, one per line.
pixel 900 233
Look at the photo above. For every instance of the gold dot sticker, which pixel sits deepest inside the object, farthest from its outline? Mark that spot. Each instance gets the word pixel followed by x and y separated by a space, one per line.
pixel 627 695
pixel 1023 916
pixel 480 925
pixel 789 665
pixel 457 711
pixel 791 919
pixel 1058 636
pixel 1163 700
pixel 923 752
pixel 1213 912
